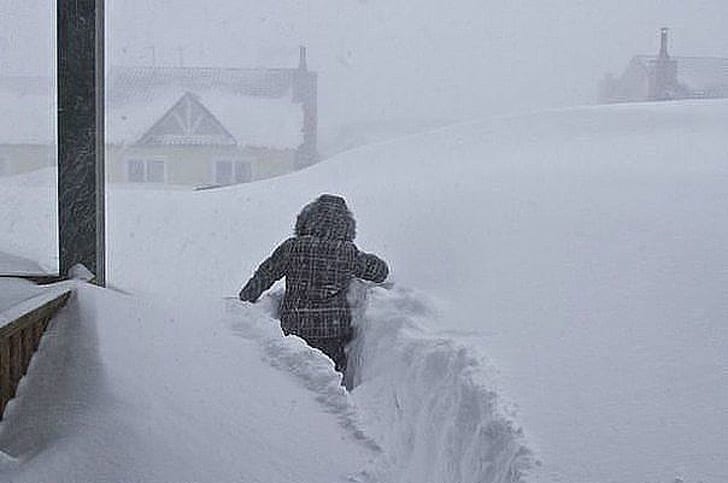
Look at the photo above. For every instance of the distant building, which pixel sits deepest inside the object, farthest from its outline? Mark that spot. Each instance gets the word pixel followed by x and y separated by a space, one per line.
pixel 664 77
pixel 185 126
pixel 27 124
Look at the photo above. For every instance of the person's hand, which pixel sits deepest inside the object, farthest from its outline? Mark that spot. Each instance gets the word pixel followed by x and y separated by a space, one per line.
pixel 244 295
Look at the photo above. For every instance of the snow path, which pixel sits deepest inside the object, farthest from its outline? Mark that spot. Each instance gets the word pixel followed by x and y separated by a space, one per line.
pixel 293 356
pixel 426 404
pixel 126 389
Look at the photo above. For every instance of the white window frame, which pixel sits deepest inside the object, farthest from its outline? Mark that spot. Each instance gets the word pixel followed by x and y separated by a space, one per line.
pixel 146 163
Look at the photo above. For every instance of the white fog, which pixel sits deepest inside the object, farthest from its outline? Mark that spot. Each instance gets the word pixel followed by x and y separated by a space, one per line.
pixel 372 241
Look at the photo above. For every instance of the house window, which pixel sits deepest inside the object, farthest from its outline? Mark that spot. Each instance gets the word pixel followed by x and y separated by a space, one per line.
pixel 146 170
pixel 242 172
pixel 4 170
pixel 155 171
pixel 136 171
pixel 231 172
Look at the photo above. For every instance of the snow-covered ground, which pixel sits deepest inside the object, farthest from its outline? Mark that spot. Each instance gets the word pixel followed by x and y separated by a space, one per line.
pixel 563 272
pixel 126 388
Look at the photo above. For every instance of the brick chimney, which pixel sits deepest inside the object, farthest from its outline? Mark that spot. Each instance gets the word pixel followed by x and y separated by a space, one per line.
pixel 663 84
pixel 663 43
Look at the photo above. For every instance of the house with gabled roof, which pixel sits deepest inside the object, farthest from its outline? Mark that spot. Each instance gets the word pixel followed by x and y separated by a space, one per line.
pixel 185 126
pixel 209 126
pixel 665 77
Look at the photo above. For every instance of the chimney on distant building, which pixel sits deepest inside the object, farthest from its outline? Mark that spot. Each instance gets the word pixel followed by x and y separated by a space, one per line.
pixel 302 58
pixel 663 43
pixel 663 84
pixel 305 92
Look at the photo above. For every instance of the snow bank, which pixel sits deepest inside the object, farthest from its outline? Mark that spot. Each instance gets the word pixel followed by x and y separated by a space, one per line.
pixel 292 355
pixel 428 400
pixel 126 388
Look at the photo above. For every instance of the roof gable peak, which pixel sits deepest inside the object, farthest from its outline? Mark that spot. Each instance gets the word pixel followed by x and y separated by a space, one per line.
pixel 188 122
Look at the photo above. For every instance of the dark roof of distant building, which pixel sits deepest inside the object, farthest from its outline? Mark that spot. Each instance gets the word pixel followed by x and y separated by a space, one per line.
pixel 127 81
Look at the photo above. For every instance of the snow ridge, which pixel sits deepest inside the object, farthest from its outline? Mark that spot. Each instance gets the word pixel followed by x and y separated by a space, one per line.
pixel 292 355
pixel 427 399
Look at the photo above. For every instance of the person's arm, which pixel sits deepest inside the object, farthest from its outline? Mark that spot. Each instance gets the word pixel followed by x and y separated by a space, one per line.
pixel 272 269
pixel 371 267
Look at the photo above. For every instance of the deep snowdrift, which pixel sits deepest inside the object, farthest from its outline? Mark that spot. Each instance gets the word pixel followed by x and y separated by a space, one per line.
pixel 127 388
pixel 570 247
pixel 583 251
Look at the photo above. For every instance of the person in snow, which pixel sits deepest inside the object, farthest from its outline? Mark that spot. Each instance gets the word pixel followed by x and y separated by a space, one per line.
pixel 319 263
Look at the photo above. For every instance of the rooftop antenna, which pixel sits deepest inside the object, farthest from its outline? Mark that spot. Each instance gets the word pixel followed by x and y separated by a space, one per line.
pixel 302 57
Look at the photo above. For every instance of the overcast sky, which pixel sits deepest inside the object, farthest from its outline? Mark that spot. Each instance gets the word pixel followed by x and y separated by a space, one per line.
pixel 385 59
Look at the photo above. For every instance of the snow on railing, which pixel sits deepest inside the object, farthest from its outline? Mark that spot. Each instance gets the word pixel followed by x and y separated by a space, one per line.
pixel 21 328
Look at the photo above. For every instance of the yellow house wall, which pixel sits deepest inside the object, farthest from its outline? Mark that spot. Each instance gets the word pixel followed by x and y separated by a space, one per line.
pixel 268 163
pixel 185 165
pixel 195 165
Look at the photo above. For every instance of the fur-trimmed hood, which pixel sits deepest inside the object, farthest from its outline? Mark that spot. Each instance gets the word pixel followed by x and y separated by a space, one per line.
pixel 326 217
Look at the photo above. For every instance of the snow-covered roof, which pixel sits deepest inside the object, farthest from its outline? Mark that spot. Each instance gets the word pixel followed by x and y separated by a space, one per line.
pixel 126 83
pixel 253 121
pixel 256 106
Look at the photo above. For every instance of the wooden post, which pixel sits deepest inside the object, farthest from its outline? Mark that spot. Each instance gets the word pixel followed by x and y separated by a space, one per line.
pixel 81 202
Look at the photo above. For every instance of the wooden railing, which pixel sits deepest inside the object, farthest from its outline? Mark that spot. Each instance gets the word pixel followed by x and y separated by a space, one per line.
pixel 43 279
pixel 21 329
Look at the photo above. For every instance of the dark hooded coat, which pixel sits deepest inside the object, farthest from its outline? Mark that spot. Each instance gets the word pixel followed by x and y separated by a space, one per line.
pixel 319 263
